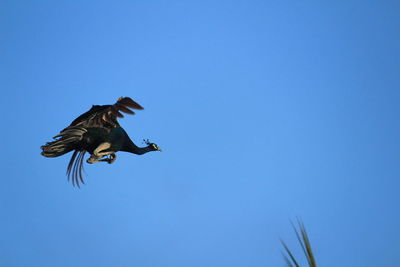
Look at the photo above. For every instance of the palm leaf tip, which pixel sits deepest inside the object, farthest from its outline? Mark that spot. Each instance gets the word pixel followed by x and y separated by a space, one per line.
pixel 290 261
pixel 305 244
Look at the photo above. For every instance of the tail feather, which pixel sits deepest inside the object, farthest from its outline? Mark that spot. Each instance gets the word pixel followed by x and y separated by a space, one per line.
pixel 76 166
pixel 64 142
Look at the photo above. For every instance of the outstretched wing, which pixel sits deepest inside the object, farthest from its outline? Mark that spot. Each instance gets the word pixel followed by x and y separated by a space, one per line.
pixel 106 116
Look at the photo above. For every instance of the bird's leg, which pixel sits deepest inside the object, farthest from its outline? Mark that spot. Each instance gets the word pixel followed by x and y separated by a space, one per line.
pixel 92 160
pixel 100 152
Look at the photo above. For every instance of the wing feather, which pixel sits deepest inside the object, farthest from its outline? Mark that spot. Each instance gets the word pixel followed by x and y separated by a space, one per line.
pixel 106 115
pixel 127 101
pixel 124 109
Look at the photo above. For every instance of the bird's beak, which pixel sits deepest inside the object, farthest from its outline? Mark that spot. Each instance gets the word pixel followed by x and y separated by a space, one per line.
pixel 159 149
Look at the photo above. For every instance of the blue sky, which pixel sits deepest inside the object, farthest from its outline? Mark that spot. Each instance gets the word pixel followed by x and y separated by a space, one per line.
pixel 266 111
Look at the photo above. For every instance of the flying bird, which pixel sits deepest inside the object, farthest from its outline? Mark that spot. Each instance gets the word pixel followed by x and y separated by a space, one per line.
pixel 97 132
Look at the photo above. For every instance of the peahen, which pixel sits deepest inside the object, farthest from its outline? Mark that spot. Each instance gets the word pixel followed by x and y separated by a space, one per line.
pixel 98 132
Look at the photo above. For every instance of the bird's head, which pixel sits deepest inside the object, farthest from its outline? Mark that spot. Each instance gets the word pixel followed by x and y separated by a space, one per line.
pixel 151 146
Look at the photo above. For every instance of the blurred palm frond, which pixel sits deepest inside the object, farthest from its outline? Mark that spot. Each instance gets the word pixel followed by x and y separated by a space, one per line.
pixel 304 241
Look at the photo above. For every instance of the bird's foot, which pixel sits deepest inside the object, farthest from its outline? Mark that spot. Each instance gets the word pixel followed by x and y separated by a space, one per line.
pixel 109 160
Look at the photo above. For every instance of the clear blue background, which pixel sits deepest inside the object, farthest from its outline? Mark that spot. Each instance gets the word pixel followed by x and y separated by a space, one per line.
pixel 266 111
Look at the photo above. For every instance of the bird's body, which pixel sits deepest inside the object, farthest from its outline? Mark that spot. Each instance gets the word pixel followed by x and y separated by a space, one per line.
pixel 95 136
pixel 117 137
pixel 97 132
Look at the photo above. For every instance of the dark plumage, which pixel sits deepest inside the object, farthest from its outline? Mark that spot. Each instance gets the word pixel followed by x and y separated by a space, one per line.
pixel 98 132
